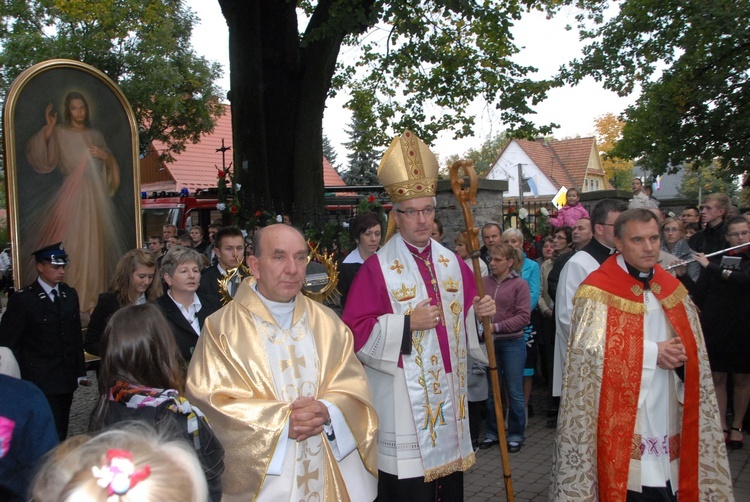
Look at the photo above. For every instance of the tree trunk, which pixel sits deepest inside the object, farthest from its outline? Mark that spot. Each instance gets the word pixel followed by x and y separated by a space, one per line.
pixel 279 86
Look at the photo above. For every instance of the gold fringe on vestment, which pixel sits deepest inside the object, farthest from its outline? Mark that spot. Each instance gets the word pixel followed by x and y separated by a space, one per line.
pixel 675 298
pixel 461 464
pixel 593 293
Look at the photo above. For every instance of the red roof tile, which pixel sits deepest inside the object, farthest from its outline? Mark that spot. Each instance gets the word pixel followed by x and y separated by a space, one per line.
pixel 564 162
pixel 196 167
pixel 330 177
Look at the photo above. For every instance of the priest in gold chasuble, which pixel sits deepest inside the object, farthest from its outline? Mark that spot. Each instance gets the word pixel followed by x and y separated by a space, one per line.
pixel 276 375
pixel 638 415
pixel 412 309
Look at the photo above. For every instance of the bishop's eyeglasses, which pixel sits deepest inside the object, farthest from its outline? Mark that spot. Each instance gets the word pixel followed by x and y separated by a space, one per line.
pixel 413 213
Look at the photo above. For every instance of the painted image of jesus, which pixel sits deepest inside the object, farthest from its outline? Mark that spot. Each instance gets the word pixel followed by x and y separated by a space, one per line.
pixel 80 213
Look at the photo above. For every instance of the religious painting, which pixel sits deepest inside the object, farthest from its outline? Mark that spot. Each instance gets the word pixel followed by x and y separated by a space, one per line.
pixel 71 160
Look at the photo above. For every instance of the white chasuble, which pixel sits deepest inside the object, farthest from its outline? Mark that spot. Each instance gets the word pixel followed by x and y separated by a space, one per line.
pixel 437 398
pixel 294 366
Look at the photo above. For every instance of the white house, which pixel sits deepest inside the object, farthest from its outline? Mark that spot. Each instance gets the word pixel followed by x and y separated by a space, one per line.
pixel 549 165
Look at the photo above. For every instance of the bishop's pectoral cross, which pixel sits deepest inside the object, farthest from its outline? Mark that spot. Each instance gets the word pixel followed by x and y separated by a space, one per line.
pixel 293 361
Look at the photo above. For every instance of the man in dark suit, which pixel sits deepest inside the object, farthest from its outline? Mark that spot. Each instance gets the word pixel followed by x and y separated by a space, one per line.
pixel 42 326
pixel 210 251
pixel 183 306
pixel 229 246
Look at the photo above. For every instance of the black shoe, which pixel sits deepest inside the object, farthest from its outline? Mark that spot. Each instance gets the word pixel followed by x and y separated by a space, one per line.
pixel 551 423
pixel 530 411
pixel 514 446
pixel 552 413
pixel 488 443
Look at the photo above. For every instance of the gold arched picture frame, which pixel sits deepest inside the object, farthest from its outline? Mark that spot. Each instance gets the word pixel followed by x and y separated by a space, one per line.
pixel 72 172
pixel 318 286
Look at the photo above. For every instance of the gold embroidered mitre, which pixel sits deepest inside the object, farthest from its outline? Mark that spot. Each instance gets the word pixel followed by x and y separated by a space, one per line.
pixel 408 169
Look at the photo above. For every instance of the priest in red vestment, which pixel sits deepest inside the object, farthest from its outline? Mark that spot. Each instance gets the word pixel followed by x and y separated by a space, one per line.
pixel 638 415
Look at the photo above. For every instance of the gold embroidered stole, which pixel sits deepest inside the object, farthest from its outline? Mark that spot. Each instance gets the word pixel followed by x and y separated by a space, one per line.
pixel 438 402
pixel 294 366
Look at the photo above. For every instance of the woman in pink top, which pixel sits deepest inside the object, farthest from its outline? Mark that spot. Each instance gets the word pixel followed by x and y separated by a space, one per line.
pixel 571 212
pixel 513 310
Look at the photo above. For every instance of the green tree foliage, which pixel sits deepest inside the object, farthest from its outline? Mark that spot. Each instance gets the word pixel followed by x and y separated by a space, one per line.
pixel 363 159
pixel 330 153
pixel 745 198
pixel 143 45
pixel 485 156
pixel 699 181
pixel 421 65
pixel 692 61
pixel 619 171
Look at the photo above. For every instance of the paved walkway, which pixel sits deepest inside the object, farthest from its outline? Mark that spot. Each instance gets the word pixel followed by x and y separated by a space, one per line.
pixel 530 468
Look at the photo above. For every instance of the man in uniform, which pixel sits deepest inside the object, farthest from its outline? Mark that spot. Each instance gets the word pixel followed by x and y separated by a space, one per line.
pixel 276 375
pixel 412 310
pixel 42 326
pixel 229 248
pixel 638 414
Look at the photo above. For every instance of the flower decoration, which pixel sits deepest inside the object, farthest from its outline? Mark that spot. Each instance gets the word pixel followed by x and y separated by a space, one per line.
pixel 279 218
pixel 118 475
pixel 371 199
pixel 543 211
pixel 523 213
pixel 511 209
pixel 258 213
pixel 229 200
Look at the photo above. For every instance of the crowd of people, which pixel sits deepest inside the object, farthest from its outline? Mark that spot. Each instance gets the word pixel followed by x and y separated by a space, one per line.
pixel 273 396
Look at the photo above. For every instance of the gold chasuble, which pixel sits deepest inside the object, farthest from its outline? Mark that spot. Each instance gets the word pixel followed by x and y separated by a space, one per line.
pixel 234 377
pixel 598 444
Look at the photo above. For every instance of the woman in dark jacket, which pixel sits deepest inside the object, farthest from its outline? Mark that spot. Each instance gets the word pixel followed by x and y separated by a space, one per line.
pixel 132 284
pixel 723 295
pixel 184 308
pixel 141 379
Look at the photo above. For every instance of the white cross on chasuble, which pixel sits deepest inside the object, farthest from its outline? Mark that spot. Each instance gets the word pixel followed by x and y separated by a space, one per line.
pixel 295 368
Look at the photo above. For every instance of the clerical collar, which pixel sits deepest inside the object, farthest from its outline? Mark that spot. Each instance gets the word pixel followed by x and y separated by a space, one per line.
pixel 643 277
pixel 281 311
pixel 415 249
pixel 598 251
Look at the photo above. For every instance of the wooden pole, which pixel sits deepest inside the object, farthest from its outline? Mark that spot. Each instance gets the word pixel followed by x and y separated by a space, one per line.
pixel 466 197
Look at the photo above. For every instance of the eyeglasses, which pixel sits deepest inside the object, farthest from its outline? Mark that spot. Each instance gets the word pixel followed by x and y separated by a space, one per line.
pixel 607 224
pixel 669 230
pixel 560 238
pixel 412 213
pixel 709 208
pixel 739 234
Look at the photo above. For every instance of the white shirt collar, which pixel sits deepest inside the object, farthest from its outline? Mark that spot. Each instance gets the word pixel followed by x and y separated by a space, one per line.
pixel 191 312
pixel 46 287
